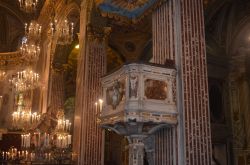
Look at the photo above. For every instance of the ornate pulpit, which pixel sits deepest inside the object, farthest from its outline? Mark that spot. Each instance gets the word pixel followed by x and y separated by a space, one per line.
pixel 139 99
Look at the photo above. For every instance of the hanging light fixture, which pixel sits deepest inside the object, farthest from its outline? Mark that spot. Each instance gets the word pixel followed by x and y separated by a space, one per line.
pixel 23 118
pixel 30 51
pixel 28 6
pixel 25 80
pixel 64 31
pixel 62 131
pixel 33 31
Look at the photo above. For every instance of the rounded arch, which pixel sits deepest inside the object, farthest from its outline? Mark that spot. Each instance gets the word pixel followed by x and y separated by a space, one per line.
pixel 69 11
pixel 13 12
pixel 241 35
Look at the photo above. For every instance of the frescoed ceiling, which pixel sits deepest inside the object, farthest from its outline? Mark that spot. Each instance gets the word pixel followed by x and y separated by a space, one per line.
pixel 127 10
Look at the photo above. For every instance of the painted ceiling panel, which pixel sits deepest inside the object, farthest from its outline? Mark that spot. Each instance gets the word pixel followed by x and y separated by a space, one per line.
pixel 128 9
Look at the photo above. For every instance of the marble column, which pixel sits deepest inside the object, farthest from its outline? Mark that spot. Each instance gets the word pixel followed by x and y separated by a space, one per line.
pixel 91 138
pixel 136 150
pixel 80 83
pixel 178 35
pixel 88 137
pixel 57 90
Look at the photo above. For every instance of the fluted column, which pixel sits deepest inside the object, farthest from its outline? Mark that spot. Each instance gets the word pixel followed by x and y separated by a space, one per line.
pixel 88 137
pixel 57 90
pixel 178 34
pixel 80 83
pixel 163 33
pixel 95 68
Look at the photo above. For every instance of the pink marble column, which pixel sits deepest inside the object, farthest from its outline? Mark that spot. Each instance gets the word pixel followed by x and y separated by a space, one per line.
pixel 57 91
pixel 88 136
pixel 80 83
pixel 178 34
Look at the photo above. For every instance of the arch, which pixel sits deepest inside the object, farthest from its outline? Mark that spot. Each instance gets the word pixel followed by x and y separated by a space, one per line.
pixel 65 12
pixel 241 28
pixel 13 12
pixel 157 128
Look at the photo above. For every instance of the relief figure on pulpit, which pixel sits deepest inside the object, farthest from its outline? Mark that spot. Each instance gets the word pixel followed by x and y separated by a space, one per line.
pixel 115 94
pixel 133 85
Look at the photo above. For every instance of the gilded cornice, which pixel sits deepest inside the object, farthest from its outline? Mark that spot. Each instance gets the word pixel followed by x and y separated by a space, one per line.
pixel 10 60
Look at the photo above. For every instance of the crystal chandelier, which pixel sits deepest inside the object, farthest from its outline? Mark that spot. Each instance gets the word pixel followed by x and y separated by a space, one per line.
pixel 43 147
pixel 33 31
pixel 25 80
pixel 30 49
pixel 30 52
pixel 62 131
pixel 64 31
pixel 22 118
pixel 28 6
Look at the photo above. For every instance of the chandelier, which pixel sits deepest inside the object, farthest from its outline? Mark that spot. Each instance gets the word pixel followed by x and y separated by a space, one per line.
pixel 30 52
pixel 43 147
pixel 64 31
pixel 33 31
pixel 25 80
pixel 22 118
pixel 28 6
pixel 62 131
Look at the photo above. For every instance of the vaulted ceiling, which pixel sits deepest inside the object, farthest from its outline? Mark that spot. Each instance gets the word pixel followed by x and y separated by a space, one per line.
pixel 227 24
pixel 10 31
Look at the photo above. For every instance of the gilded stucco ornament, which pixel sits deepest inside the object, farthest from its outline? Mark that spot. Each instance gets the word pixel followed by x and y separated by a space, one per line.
pixel 12 60
pixel 98 34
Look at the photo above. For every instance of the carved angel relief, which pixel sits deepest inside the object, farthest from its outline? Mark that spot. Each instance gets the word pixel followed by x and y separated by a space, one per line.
pixel 115 94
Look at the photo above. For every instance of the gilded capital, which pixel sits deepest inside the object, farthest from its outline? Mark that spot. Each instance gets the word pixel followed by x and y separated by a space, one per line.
pixel 98 33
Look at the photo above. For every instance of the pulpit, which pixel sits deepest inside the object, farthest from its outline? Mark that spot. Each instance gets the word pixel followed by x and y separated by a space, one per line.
pixel 138 100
